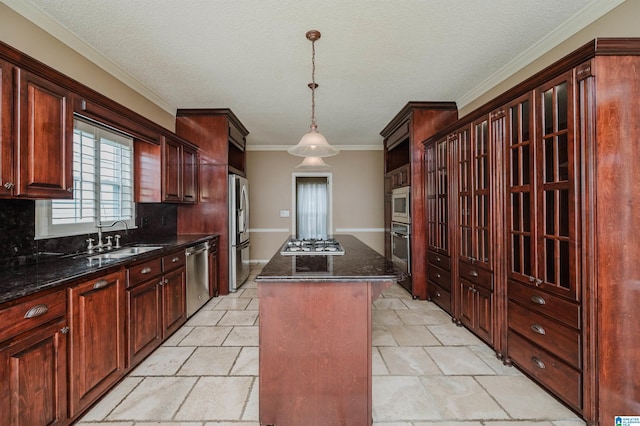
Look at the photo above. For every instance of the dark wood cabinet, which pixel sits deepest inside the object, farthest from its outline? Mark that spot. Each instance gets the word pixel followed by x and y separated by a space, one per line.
pixel 44 135
pixel 97 328
pixel 404 166
pixel 437 218
pixel 179 172
pixel 546 223
pixel 33 362
pixel 221 139
pixel 214 291
pixel 156 303
pixel 7 178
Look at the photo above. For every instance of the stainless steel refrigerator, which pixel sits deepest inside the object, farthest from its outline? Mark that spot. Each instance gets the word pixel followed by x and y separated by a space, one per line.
pixel 239 242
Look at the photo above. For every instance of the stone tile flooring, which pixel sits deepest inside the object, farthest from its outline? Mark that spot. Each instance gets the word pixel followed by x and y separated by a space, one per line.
pixel 426 372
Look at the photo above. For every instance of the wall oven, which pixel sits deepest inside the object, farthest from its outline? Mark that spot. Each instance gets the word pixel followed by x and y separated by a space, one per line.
pixel 401 246
pixel 400 207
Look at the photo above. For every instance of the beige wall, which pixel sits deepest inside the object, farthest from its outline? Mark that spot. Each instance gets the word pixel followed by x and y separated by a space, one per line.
pixel 23 35
pixel 620 22
pixel 357 178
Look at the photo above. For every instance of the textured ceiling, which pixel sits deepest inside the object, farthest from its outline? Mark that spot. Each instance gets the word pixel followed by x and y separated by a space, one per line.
pixel 252 55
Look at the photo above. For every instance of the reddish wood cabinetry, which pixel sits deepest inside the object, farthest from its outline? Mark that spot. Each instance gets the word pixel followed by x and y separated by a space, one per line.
pixel 7 179
pixel 156 304
pixel 97 349
pixel 179 172
pixel 44 135
pixel 546 223
pixel 220 137
pixel 404 166
pixel 33 362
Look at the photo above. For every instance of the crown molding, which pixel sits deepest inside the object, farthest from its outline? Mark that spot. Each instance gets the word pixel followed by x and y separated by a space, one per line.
pixel 571 26
pixel 48 24
pixel 340 147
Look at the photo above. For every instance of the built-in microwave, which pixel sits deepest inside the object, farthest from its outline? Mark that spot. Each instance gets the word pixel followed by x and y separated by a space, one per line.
pixel 400 207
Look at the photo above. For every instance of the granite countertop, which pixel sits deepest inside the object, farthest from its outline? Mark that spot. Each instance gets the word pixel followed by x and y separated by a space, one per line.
pixel 359 263
pixel 49 272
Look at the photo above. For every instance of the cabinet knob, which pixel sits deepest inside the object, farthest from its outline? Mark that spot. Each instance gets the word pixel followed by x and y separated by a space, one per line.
pixel 166 281
pixel 538 362
pixel 438 259
pixel 161 282
pixel 9 185
pixel 36 311
pixel 538 282
pixel 175 259
pixel 537 328
pixel 70 189
pixel 437 294
pixel 473 273
pixel 64 330
pixel 437 275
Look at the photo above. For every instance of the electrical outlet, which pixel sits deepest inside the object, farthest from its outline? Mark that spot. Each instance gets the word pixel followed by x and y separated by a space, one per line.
pixel 145 222
pixel 163 220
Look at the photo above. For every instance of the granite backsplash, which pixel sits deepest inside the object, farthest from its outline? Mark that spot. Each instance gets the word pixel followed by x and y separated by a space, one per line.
pixel 17 231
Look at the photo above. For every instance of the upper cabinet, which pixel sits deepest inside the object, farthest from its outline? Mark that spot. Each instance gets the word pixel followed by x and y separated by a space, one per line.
pixel 44 138
pixel 179 172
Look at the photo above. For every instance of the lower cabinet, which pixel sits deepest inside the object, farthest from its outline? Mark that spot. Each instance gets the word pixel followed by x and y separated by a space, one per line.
pixel 97 328
pixel 475 300
pixel 33 377
pixel 156 303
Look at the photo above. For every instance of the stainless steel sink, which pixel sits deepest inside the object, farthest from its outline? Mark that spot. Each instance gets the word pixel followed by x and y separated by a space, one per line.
pixel 124 252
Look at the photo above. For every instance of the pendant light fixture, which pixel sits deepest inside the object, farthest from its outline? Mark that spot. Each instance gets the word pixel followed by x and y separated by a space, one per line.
pixel 313 163
pixel 313 144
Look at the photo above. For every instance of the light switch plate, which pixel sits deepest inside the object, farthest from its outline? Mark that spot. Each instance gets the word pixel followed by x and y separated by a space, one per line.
pixel 284 213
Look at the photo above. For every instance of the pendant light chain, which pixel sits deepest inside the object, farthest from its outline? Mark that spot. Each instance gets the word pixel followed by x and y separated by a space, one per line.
pixel 313 82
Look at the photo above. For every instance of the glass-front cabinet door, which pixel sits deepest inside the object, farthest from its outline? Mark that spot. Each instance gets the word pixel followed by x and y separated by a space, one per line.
pixel 437 196
pixel 542 188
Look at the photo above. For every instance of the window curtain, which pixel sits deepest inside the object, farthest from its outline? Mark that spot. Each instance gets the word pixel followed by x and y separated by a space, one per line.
pixel 312 208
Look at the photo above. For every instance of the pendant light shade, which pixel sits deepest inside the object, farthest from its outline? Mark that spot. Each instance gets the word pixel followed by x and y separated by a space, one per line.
pixel 313 144
pixel 315 163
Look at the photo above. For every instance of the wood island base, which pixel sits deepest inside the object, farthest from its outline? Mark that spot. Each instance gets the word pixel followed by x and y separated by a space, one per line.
pixel 315 352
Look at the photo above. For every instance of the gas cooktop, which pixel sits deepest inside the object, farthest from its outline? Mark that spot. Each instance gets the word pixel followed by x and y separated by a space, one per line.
pixel 309 247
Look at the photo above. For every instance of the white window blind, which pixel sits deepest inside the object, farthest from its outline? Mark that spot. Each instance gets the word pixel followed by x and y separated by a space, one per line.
pixel 102 184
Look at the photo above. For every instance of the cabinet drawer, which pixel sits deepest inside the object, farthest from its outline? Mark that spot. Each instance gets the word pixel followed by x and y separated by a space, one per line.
pixel 28 315
pixel 476 275
pixel 550 371
pixel 554 306
pixel 551 335
pixel 173 260
pixel 440 297
pixel 439 260
pixel 144 271
pixel 440 277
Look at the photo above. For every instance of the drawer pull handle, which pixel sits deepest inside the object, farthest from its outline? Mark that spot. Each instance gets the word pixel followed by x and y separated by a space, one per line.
pixel 175 259
pixel 538 362
pixel 145 270
pixel 438 259
pixel 437 294
pixel 437 275
pixel 538 300
pixel 537 328
pixel 100 284
pixel 473 273
pixel 36 311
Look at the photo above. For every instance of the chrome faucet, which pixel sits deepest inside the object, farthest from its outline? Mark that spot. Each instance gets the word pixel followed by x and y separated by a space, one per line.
pixel 100 245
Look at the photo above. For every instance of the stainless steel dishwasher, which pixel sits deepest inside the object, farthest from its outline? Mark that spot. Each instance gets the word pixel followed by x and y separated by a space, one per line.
pixel 197 277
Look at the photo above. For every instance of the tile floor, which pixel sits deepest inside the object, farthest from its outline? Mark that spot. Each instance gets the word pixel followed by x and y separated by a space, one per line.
pixel 426 372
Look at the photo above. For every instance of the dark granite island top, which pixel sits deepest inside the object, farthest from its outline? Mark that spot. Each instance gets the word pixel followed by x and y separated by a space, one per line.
pixel 359 263
pixel 315 335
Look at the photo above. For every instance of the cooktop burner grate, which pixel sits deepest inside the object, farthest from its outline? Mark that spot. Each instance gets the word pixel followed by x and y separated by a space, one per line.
pixel 317 247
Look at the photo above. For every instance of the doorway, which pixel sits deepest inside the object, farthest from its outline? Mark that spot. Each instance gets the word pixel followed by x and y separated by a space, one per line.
pixel 312 196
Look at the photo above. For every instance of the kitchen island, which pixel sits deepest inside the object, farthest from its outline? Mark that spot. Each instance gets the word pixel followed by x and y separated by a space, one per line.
pixel 315 335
